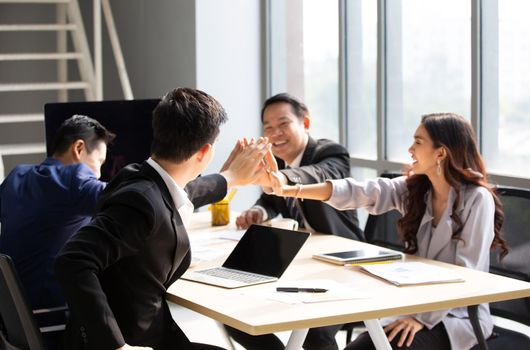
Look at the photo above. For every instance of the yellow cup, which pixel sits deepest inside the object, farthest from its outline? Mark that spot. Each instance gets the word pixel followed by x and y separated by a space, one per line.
pixel 220 213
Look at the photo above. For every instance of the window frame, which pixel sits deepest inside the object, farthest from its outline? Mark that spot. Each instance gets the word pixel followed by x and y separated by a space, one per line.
pixel 484 89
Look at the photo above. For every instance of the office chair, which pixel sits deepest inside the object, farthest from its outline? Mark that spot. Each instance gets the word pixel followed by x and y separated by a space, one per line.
pixel 18 328
pixel 381 229
pixel 516 230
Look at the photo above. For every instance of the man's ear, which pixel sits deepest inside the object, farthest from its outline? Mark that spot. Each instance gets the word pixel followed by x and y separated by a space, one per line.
pixel 76 148
pixel 203 151
pixel 307 122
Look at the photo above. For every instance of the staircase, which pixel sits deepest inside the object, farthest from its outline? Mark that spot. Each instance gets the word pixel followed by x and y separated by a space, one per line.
pixel 16 84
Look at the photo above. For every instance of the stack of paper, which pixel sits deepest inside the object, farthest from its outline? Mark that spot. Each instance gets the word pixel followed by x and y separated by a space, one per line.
pixel 408 273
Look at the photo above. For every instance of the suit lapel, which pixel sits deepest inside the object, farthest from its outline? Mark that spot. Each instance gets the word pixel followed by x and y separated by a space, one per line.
pixel 308 152
pixel 298 214
pixel 148 171
pixel 182 245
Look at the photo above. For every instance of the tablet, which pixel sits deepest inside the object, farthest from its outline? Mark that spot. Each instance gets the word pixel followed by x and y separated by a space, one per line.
pixel 359 256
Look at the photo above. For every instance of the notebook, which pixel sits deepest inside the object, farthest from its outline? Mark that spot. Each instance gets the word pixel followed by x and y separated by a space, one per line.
pixel 262 255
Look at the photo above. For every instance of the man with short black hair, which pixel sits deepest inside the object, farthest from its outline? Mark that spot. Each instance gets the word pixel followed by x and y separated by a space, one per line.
pixel 115 271
pixel 41 206
pixel 301 160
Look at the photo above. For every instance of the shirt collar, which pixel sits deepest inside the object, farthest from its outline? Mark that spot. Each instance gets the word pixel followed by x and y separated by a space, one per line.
pixel 179 196
pixel 298 159
pixel 51 161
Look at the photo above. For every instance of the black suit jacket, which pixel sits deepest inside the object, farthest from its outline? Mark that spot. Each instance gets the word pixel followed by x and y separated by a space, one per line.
pixel 322 160
pixel 115 271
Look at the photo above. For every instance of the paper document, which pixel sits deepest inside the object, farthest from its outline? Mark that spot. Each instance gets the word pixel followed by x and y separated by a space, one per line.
pixel 409 273
pixel 216 237
pixel 336 291
pixel 204 254
pixel 231 235
pixel 202 249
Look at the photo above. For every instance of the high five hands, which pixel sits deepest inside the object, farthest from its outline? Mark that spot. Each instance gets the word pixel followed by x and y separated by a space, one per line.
pixel 245 163
pixel 276 179
pixel 252 162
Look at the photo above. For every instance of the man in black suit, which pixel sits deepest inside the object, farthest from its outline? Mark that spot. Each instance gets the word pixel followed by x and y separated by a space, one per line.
pixel 302 160
pixel 115 271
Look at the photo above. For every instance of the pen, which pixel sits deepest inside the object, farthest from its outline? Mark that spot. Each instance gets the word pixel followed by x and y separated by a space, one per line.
pixel 301 290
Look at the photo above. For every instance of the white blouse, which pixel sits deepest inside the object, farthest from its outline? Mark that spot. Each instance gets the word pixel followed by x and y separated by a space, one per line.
pixel 476 210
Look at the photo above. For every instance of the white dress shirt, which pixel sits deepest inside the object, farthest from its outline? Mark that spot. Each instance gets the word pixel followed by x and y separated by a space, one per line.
pixel 476 209
pixel 179 196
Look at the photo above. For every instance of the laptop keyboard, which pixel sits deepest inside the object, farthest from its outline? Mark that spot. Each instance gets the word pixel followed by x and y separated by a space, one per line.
pixel 241 276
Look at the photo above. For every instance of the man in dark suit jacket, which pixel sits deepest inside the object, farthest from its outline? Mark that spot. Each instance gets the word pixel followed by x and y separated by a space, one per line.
pixel 42 206
pixel 115 271
pixel 302 160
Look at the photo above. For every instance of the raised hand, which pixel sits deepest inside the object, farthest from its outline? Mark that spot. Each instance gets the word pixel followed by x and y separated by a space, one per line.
pixel 276 179
pixel 238 148
pixel 245 165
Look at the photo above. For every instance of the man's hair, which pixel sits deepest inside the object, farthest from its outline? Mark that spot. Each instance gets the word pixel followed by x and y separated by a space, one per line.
pixel 298 107
pixel 80 127
pixel 185 120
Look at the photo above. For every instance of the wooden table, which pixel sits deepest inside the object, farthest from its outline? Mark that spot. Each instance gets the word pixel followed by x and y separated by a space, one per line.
pixel 258 316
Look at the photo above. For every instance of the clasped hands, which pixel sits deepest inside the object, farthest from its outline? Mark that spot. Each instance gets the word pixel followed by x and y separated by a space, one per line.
pixel 252 162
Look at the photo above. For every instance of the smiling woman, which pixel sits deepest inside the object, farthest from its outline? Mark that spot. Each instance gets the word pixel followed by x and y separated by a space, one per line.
pixel 450 214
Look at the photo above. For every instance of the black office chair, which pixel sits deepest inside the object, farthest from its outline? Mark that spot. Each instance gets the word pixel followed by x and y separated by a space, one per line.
pixel 380 230
pixel 516 230
pixel 18 328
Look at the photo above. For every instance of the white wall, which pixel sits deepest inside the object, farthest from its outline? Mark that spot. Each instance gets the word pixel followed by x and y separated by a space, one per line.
pixel 229 66
pixel 158 43
pixel 213 45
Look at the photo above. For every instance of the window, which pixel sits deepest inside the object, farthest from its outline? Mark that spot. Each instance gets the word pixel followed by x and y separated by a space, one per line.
pixel 506 141
pixel 361 89
pixel 304 51
pixel 401 59
pixel 428 66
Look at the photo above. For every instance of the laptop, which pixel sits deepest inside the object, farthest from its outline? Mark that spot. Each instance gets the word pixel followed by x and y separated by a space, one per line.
pixel 261 256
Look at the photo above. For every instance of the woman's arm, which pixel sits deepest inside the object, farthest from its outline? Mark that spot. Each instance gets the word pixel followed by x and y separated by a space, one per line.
pixel 321 191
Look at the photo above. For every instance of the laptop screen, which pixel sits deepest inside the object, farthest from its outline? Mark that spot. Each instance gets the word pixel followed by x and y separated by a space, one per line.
pixel 266 250
pixel 129 120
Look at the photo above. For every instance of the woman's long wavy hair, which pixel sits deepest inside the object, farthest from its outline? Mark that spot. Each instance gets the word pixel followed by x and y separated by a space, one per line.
pixel 463 165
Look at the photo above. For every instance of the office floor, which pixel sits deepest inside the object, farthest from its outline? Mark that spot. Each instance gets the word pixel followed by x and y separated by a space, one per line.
pixel 204 330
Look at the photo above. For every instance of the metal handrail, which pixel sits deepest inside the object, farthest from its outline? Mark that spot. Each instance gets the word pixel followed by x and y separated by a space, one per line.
pixel 104 5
